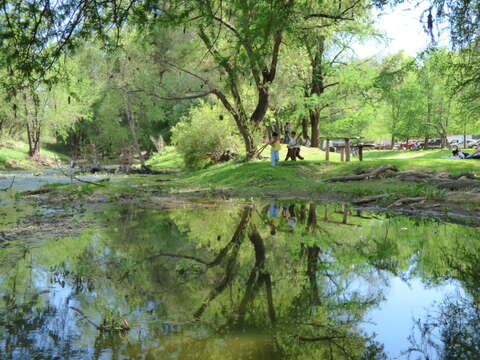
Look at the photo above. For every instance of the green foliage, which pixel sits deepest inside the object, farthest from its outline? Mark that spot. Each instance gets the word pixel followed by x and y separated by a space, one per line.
pixel 204 135
pixel 169 159
pixel 14 154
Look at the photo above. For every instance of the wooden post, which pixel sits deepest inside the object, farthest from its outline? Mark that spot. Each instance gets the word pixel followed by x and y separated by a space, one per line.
pixel 325 213
pixel 342 153
pixel 360 152
pixel 327 150
pixel 347 149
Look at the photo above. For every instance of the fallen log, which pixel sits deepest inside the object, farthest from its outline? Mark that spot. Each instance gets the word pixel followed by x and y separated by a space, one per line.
pixel 458 185
pixel 50 189
pixel 374 173
pixel 468 175
pixel 407 200
pixel 37 192
pixel 348 178
pixel 96 182
pixel 369 199
pixel 415 176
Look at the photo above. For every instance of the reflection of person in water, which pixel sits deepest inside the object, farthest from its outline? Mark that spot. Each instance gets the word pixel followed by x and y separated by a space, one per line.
pixel 292 220
pixel 273 213
pixel 273 209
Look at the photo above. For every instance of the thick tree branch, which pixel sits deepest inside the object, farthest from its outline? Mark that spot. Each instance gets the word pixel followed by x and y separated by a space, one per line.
pixel 187 97
pixel 232 77
pixel 327 16
pixel 275 52
pixel 340 16
pixel 246 45
pixel 331 84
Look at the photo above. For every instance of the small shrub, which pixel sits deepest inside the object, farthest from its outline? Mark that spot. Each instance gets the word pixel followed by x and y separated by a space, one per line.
pixel 203 135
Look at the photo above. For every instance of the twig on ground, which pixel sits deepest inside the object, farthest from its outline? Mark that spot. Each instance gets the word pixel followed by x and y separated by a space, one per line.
pixel 73 177
pixel 10 186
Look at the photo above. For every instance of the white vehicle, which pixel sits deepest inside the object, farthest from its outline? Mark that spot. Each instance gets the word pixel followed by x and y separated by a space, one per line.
pixel 472 143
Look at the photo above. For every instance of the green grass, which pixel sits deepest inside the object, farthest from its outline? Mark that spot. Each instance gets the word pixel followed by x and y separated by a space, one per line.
pixel 259 177
pixel 169 159
pixel 15 155
pixel 429 160
pixel 299 180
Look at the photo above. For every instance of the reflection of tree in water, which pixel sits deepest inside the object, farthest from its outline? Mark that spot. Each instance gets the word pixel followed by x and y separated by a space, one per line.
pixel 320 320
pixel 26 312
pixel 451 333
pixel 299 287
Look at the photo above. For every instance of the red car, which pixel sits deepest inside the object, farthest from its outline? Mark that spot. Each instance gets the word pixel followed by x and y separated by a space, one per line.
pixel 382 147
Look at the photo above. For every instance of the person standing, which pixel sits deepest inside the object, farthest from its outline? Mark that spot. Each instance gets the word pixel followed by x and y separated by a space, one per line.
pixel 275 149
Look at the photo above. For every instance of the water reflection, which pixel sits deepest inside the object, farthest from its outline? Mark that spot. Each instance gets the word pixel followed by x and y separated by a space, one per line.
pixel 234 281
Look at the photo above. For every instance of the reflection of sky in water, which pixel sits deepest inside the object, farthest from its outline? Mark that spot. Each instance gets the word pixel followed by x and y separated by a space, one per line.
pixel 392 320
pixel 400 301
pixel 26 180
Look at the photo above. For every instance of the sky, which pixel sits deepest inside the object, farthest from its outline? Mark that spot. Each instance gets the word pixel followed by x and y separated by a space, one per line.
pixel 403 27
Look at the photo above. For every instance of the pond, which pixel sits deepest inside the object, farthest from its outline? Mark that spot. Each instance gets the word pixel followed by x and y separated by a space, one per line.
pixel 243 280
pixel 28 180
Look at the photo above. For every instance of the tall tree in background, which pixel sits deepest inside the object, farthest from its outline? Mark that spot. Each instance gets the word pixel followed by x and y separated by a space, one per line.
pixel 316 38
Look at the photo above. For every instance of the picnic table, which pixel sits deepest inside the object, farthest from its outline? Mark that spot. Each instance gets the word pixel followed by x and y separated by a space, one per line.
pixel 346 147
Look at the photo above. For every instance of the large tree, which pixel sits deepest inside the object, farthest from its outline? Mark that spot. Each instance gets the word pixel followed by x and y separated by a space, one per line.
pixel 241 40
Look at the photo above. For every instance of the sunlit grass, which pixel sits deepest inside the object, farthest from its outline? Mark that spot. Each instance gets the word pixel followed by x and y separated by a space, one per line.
pixel 307 177
pixel 169 159
pixel 429 160
pixel 16 153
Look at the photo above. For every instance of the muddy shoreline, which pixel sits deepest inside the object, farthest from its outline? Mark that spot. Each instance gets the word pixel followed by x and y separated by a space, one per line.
pixel 61 212
pixel 70 214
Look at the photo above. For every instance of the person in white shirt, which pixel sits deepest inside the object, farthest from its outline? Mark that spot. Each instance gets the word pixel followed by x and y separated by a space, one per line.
pixel 293 148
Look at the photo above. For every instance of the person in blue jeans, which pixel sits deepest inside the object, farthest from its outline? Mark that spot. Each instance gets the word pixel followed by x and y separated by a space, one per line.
pixel 275 149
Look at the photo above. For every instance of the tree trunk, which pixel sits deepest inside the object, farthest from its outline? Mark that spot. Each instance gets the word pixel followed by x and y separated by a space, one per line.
pixel 133 131
pixel 2 122
pixel 304 128
pixel 33 128
pixel 250 148
pixel 317 86
pixel 314 122
pixel 443 142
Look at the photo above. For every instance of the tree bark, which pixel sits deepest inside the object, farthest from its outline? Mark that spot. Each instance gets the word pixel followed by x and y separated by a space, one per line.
pixel 32 122
pixel 304 128
pixel 314 123
pixel 317 86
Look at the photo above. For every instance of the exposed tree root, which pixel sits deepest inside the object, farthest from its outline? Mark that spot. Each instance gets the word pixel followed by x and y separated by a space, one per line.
pixel 441 180
pixel 371 174
pixel 368 199
pixel 409 201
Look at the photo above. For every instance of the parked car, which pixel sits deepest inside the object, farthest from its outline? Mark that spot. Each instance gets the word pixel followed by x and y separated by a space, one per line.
pixel 382 147
pixel 472 143
pixel 407 145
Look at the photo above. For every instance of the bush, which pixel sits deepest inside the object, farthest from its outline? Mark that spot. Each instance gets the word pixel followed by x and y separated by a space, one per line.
pixel 204 135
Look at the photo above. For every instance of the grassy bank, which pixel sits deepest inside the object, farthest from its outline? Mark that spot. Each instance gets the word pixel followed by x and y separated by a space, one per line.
pixel 305 179
pixel 309 175
pixel 14 155
pixel 290 180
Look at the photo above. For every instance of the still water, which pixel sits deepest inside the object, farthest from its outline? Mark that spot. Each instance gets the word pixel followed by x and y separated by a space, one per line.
pixel 237 280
